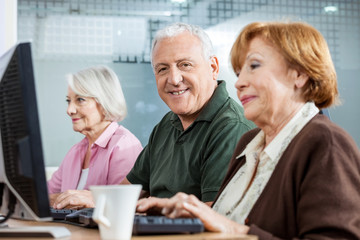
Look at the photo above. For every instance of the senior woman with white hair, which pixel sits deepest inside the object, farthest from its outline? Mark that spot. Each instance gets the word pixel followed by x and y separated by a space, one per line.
pixel 108 152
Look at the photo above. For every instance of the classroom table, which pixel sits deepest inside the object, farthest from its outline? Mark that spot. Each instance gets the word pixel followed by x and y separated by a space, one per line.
pixel 81 233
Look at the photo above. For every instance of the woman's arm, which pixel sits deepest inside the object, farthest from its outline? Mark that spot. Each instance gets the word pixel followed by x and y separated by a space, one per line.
pixel 183 205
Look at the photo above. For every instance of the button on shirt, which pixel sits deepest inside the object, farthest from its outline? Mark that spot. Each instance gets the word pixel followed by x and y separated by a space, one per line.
pixel 112 156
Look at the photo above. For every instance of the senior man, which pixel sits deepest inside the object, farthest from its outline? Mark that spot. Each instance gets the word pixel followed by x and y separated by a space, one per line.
pixel 190 148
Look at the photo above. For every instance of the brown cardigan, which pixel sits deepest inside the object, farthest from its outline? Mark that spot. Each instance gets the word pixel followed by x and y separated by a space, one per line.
pixel 314 191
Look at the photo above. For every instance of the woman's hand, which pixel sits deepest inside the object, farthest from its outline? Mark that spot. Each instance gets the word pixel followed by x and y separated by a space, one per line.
pixel 212 220
pixel 183 205
pixel 53 197
pixel 74 199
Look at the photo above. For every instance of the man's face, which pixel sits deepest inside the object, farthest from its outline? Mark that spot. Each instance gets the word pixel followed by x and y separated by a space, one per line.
pixel 185 80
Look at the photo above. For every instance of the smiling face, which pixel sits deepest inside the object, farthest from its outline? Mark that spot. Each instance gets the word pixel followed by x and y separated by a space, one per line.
pixel 268 89
pixel 86 114
pixel 185 80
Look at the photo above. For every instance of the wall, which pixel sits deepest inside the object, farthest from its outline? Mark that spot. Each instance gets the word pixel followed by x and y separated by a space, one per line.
pixel 145 108
pixel 341 29
pixel 8 23
pixel 57 44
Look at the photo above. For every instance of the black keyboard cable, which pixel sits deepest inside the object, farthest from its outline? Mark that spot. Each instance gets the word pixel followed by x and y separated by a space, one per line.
pixel 11 204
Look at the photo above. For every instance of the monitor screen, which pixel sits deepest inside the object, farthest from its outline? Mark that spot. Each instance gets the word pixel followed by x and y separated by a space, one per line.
pixel 22 170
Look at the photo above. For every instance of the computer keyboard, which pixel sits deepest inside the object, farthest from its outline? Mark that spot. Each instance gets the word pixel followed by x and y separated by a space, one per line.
pixel 143 224
pixel 60 214
pixel 163 225
pixel 82 217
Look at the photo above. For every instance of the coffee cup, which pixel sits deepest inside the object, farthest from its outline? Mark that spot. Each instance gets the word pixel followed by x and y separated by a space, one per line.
pixel 115 209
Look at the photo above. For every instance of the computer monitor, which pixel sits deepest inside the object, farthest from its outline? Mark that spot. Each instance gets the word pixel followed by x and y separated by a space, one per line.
pixel 22 170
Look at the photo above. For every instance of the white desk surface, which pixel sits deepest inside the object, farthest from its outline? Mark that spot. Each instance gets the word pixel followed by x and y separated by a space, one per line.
pixel 79 233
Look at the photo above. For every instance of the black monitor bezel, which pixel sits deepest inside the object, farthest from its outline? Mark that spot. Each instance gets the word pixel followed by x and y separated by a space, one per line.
pixel 25 175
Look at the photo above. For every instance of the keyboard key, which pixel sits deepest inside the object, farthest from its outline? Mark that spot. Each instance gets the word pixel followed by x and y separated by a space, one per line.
pixel 163 225
pixel 60 214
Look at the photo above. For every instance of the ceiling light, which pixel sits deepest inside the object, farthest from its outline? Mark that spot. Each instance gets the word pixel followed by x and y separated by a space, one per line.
pixel 330 9
pixel 178 1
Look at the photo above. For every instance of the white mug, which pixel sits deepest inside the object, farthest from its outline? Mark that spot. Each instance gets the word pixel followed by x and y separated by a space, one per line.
pixel 115 209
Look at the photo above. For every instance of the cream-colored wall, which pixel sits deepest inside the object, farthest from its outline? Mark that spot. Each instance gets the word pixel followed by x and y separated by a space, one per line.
pixel 8 24
pixel 49 171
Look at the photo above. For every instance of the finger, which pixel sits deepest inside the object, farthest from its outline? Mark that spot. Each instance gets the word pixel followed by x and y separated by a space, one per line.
pixel 142 203
pixel 145 204
pixel 169 208
pixel 62 203
pixel 180 213
pixel 53 197
pixel 85 199
pixel 212 220
pixel 197 207
pixel 192 209
pixel 69 199
pixel 174 207
pixel 62 196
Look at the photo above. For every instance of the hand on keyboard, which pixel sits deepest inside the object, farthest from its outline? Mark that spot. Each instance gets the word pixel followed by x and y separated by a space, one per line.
pixel 143 224
pixel 74 199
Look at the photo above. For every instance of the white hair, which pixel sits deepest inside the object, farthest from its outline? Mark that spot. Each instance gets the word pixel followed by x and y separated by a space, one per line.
pixel 102 84
pixel 178 28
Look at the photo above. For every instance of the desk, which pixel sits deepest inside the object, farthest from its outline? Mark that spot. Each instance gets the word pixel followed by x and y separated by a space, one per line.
pixel 80 233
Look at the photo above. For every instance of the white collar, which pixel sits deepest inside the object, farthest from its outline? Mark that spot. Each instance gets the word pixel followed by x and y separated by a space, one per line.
pixel 301 118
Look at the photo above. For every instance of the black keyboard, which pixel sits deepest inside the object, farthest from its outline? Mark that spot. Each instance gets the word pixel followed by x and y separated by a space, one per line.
pixel 82 217
pixel 143 224
pixel 60 214
pixel 163 225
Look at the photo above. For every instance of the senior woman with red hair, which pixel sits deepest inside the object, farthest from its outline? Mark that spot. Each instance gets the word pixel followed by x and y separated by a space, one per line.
pixel 297 175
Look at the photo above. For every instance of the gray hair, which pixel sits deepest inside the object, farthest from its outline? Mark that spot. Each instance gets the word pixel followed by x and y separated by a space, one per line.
pixel 102 84
pixel 178 28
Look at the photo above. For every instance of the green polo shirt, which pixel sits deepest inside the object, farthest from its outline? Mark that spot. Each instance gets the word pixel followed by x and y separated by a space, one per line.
pixel 193 161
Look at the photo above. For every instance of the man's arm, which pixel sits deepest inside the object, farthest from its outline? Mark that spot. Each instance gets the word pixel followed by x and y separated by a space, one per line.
pixel 125 182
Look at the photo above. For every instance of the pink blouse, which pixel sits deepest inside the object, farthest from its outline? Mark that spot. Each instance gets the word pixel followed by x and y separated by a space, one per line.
pixel 112 156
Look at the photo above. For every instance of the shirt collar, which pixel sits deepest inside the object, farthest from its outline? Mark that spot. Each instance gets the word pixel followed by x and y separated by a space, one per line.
pixel 215 103
pixel 302 117
pixel 105 137
pixel 254 145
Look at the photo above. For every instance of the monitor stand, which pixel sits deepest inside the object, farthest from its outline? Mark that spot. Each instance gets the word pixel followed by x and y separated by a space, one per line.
pixel 34 232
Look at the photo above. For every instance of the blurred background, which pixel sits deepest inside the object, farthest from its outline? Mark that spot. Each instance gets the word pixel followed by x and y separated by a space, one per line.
pixel 68 35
